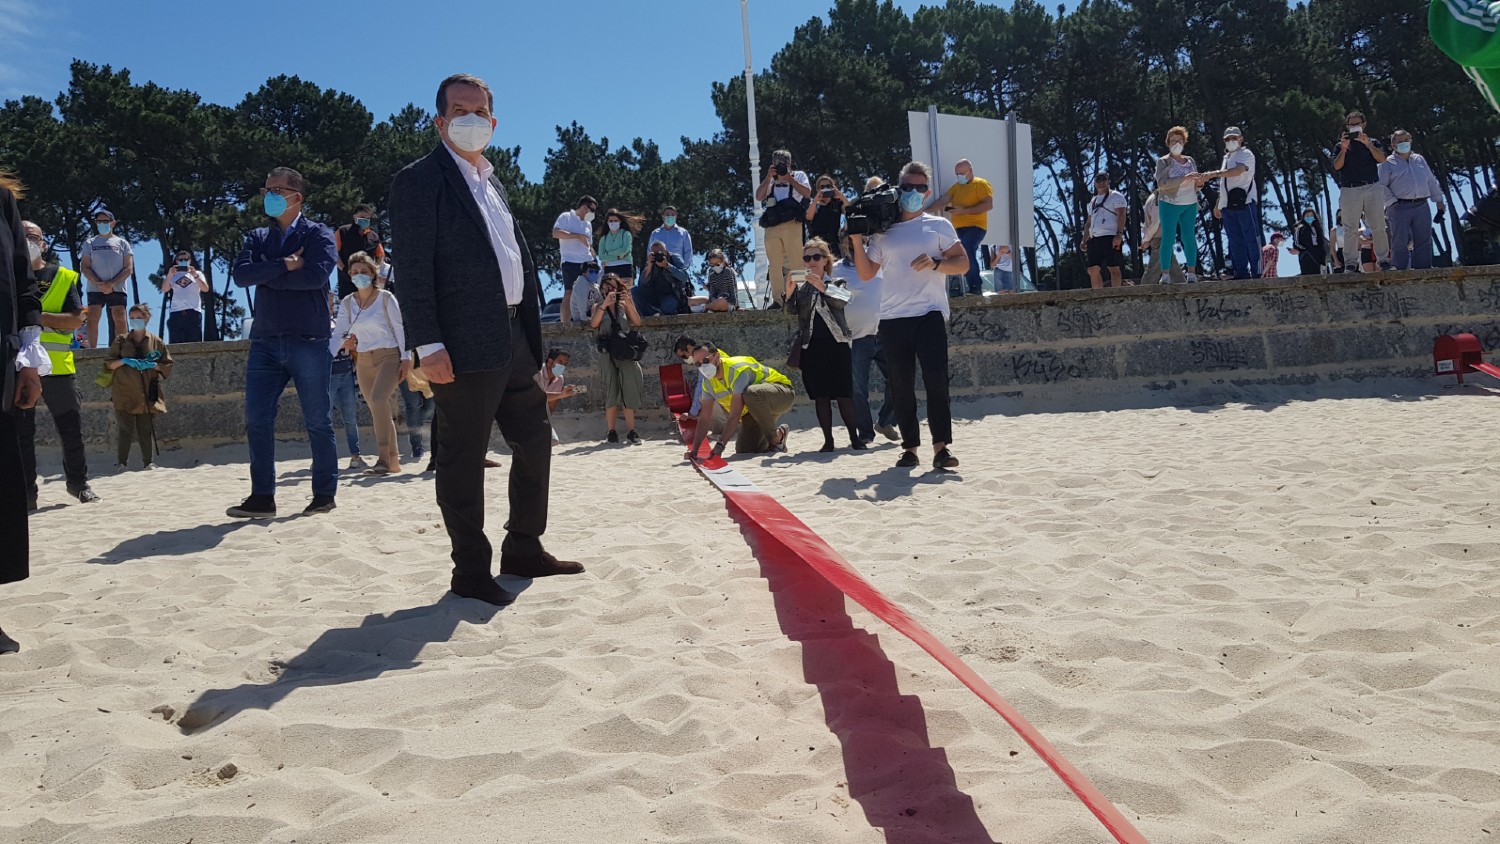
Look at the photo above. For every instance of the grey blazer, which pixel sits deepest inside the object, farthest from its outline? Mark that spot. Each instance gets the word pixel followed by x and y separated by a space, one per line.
pixel 452 291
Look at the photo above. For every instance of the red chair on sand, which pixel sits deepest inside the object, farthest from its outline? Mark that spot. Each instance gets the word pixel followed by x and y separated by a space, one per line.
pixel 674 389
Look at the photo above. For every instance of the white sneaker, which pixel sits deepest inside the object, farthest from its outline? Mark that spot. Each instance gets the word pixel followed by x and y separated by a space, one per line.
pixel 149 466
pixel 1192 278
pixel 357 462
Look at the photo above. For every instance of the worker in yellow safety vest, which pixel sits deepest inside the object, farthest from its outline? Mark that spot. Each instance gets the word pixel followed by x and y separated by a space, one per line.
pixel 62 314
pixel 754 397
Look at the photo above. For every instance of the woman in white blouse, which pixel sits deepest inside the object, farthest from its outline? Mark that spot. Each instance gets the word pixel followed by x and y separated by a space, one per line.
pixel 369 325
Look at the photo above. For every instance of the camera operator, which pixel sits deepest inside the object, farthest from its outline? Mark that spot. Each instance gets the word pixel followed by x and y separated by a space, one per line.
pixel 916 256
pixel 1356 163
pixel 664 283
pixel 825 214
pixel 783 221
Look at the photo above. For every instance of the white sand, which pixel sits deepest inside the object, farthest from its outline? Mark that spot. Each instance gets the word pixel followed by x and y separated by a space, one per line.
pixel 1247 624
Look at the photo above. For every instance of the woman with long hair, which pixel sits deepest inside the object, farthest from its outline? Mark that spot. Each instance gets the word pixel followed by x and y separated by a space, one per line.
pixel 824 339
pixel 370 326
pixel 616 249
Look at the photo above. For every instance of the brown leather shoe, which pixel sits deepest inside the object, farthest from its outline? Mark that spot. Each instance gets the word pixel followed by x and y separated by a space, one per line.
pixel 482 589
pixel 536 565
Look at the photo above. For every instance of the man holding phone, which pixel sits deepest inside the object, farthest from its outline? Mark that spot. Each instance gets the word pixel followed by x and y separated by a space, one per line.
pixel 915 256
pixel 1356 162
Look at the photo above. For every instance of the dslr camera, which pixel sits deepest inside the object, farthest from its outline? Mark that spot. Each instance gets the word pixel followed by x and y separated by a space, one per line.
pixel 782 169
pixel 873 212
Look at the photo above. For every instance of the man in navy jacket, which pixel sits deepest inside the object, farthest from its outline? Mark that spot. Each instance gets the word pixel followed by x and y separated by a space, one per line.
pixel 288 263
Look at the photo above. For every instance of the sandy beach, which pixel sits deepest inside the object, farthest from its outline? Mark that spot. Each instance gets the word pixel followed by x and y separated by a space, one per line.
pixel 1272 623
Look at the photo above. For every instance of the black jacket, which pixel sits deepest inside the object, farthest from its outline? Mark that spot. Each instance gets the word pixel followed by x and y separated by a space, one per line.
pixel 20 305
pixel 452 291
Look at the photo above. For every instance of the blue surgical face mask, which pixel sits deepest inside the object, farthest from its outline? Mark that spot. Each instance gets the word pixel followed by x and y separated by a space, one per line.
pixel 361 281
pixel 964 180
pixel 362 222
pixel 1308 218
pixel 558 369
pixel 670 220
pixel 275 205
pixel 912 201
pixel 103 228
pixel 137 324
pixel 593 278
pixel 1403 147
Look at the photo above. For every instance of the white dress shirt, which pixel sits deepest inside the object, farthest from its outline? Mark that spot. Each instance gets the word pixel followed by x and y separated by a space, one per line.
pixel 502 231
pixel 32 354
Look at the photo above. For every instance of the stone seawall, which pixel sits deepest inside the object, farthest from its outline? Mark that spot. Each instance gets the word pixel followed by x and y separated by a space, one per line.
pixel 1211 338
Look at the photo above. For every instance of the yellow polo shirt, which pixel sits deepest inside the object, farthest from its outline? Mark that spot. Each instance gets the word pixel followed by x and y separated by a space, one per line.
pixel 975 192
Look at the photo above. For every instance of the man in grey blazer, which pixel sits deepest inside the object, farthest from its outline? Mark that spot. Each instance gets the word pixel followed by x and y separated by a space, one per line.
pixel 470 298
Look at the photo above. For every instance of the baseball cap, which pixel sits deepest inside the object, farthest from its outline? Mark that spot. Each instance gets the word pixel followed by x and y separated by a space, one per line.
pixel 1233 132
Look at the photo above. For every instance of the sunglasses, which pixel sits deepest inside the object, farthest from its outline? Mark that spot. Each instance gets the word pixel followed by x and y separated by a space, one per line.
pixel 914 186
pixel 808 259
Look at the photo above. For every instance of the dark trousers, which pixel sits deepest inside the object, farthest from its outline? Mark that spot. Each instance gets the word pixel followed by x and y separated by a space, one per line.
pixel 1310 262
pixel 907 343
pixel 14 552
pixel 971 237
pixel 1411 223
pixel 866 350
pixel 185 327
pixel 60 394
pixel 467 411
pixel 418 408
pixel 135 428
pixel 1241 227
pixel 305 363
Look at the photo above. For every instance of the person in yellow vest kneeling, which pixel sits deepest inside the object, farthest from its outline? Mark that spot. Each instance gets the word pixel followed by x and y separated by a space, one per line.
pixel 754 396
pixel 62 314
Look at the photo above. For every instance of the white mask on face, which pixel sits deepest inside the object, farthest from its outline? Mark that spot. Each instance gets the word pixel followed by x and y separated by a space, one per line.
pixel 1231 146
pixel 34 250
pixel 708 370
pixel 470 133
pixel 1176 149
pixel 589 217
pixel 614 225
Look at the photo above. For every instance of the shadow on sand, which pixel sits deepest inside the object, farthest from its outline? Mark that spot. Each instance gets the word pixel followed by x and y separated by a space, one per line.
pixel 904 785
pixel 380 644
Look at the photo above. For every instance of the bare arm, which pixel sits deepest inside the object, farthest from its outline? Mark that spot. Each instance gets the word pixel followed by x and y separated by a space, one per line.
pixel 867 268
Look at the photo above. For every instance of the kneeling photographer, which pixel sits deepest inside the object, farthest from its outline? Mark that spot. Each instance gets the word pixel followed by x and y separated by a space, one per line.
pixel 915 256
pixel 664 286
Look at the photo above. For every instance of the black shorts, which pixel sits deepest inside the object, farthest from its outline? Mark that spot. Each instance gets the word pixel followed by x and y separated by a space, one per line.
pixel 570 274
pixel 113 300
pixel 1102 252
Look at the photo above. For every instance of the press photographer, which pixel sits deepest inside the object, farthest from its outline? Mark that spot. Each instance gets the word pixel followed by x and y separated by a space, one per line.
pixel 664 286
pixel 790 190
pixel 916 255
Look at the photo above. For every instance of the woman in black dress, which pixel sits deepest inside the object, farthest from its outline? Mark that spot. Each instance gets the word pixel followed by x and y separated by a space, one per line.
pixel 20 327
pixel 823 339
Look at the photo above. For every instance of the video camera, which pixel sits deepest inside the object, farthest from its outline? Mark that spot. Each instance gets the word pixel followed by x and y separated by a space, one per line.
pixel 1479 234
pixel 874 211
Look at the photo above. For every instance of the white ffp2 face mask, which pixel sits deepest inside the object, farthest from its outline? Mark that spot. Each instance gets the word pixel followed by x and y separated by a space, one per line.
pixel 1176 149
pixel 470 133
pixel 708 370
pixel 1231 146
pixel 34 250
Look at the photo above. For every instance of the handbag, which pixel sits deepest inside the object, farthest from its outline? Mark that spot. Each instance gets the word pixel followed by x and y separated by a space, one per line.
pixel 625 346
pixel 794 355
pixel 784 211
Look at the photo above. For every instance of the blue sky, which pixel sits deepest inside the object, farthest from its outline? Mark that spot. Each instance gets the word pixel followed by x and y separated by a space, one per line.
pixel 549 63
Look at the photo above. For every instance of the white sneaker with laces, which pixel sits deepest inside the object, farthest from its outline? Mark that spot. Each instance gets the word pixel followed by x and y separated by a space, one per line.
pixel 357 462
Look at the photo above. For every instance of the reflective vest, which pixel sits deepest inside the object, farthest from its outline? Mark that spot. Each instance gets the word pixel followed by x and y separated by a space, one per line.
pixel 59 346
pixel 720 387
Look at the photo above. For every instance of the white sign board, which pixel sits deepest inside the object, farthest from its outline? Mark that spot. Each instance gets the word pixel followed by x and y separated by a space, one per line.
pixel 983 142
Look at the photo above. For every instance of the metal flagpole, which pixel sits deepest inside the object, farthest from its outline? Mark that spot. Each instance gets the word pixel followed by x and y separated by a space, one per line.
pixel 1013 233
pixel 762 268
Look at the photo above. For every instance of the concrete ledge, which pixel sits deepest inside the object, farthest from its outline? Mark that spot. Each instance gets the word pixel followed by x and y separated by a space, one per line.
pixel 1163 340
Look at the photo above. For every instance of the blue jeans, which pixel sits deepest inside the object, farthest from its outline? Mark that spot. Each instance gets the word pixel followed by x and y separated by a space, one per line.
pixel 867 350
pixel 305 363
pixel 1004 280
pixel 643 303
pixel 418 409
pixel 970 237
pixel 343 393
pixel 1241 226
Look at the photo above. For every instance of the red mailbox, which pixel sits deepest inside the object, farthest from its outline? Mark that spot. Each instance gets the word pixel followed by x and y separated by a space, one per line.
pixel 1455 354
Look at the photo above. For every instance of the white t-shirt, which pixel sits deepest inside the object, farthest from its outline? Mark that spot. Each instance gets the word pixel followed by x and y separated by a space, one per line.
pixel 1246 180
pixel 186 295
pixel 574 252
pixel 862 311
pixel 782 190
pixel 379 327
pixel 1104 220
pixel 904 291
